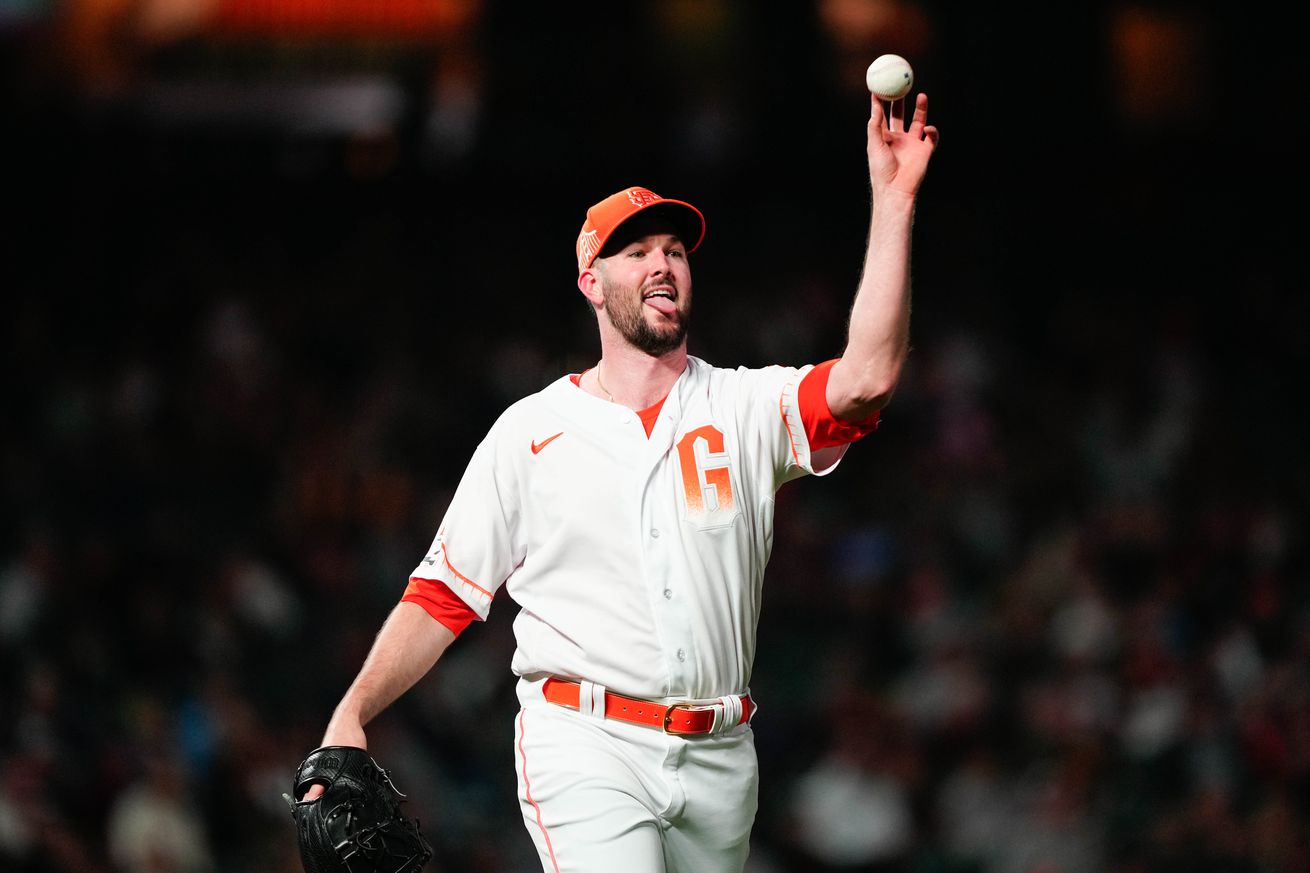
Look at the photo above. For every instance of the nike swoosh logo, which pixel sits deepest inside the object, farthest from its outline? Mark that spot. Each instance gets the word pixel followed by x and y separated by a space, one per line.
pixel 538 446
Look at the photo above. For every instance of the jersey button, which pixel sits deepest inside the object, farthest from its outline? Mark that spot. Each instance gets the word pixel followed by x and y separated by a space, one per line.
pixel 682 655
pixel 655 532
pixel 668 593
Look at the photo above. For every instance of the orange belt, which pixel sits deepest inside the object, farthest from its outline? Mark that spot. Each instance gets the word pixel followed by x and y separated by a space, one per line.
pixel 677 718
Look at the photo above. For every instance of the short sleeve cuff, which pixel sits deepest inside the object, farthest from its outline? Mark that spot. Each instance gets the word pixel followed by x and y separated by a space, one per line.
pixel 823 429
pixel 441 603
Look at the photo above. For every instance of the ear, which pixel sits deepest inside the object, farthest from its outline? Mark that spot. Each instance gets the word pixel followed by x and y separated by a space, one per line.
pixel 589 285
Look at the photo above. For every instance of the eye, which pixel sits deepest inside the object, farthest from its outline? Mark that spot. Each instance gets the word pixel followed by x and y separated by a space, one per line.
pixel 677 253
pixel 636 253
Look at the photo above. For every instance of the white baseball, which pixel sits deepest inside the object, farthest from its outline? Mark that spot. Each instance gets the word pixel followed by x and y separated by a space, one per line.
pixel 890 77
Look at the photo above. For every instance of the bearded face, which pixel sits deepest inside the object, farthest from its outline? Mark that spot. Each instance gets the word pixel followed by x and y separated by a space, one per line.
pixel 650 330
pixel 646 287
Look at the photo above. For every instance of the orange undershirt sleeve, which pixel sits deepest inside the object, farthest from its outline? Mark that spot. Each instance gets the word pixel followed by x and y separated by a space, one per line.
pixel 441 603
pixel 824 429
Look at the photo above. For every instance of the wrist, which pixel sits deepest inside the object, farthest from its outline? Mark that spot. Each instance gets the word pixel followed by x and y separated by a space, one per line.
pixel 892 200
pixel 345 729
pixel 347 716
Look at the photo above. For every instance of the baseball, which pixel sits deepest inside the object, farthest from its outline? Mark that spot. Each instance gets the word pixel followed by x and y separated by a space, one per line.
pixel 890 77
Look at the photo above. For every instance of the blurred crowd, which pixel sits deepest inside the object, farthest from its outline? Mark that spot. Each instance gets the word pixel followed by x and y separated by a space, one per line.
pixel 1051 618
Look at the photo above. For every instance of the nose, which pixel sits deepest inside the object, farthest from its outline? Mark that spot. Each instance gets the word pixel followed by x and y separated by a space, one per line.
pixel 658 262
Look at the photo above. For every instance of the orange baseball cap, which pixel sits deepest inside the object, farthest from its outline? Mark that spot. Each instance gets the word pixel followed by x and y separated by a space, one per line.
pixel 605 217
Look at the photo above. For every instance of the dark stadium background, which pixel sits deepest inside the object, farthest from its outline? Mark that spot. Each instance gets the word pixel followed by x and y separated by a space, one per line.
pixel 272 269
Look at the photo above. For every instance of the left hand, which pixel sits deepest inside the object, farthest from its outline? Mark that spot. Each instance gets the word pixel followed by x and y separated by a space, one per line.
pixel 898 158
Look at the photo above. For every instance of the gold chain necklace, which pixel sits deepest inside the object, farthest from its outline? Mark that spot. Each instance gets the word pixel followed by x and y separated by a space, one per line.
pixel 602 384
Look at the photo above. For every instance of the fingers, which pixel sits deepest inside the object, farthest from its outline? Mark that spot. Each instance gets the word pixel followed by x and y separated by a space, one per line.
pixel 921 107
pixel 918 128
pixel 879 116
pixel 920 115
pixel 876 121
pixel 898 115
pixel 314 793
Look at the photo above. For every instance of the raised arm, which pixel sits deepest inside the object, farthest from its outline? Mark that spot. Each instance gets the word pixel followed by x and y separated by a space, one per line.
pixel 878 335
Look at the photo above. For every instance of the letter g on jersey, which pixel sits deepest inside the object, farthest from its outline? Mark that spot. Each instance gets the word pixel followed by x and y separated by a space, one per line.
pixel 707 477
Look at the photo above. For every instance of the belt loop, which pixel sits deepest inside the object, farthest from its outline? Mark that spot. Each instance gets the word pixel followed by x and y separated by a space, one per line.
pixel 591 700
pixel 727 714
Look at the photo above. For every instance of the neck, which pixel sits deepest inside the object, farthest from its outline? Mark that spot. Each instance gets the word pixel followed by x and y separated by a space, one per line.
pixel 635 379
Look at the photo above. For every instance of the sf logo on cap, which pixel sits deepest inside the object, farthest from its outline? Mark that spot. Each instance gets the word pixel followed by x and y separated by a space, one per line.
pixel 588 246
pixel 642 197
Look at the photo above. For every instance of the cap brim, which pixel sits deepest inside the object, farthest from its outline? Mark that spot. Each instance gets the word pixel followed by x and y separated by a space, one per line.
pixel 686 219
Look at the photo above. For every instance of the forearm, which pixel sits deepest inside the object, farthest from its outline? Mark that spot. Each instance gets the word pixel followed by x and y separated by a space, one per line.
pixel 406 648
pixel 878 335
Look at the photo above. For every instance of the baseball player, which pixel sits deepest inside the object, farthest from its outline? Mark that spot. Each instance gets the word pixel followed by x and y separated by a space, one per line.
pixel 628 509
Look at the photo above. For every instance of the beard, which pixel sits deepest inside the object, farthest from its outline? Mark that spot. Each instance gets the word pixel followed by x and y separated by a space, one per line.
pixel 626 312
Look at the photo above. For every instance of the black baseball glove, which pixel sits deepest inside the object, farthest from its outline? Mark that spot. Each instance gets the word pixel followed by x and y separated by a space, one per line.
pixel 356 826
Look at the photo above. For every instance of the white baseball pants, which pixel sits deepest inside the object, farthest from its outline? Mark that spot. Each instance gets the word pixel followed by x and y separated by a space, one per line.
pixel 604 796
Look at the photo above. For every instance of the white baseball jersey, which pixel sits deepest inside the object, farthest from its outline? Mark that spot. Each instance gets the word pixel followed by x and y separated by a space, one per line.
pixel 637 560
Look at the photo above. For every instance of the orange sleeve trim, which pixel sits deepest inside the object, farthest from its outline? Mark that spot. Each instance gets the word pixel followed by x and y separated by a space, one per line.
pixel 824 429
pixel 441 603
pixel 461 577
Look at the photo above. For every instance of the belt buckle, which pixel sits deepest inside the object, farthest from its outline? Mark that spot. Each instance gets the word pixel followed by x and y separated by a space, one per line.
pixel 687 707
pixel 668 716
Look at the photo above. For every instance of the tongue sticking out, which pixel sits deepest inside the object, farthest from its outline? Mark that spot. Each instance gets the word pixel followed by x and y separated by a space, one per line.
pixel 662 304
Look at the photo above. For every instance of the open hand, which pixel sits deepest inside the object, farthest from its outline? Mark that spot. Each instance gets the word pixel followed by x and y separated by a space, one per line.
pixel 898 157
